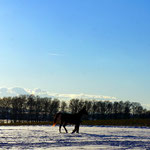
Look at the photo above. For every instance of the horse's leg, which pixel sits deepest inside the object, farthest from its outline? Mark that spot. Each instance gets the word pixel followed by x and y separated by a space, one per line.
pixel 65 128
pixel 60 128
pixel 77 128
pixel 74 129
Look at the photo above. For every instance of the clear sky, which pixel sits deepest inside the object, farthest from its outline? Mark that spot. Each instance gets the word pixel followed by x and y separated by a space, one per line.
pixel 77 46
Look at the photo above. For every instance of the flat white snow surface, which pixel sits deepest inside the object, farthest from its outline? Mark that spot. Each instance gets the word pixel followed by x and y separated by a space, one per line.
pixel 90 137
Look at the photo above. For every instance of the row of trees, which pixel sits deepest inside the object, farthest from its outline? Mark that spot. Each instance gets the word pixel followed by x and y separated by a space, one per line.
pixel 35 108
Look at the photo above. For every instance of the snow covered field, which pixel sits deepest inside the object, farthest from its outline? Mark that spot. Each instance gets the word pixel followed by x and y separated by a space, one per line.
pixel 90 138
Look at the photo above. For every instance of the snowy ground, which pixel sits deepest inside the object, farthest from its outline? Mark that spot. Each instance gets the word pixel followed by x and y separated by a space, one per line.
pixel 90 138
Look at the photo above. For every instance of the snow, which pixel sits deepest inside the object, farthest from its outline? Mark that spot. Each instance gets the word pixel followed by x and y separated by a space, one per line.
pixel 89 138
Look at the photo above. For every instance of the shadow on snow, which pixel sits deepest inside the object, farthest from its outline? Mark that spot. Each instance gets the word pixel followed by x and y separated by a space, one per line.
pixel 93 139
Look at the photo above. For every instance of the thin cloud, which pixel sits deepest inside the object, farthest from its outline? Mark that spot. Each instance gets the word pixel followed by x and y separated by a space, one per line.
pixel 55 54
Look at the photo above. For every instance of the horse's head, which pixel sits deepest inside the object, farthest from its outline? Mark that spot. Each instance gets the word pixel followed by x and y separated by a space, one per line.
pixel 84 111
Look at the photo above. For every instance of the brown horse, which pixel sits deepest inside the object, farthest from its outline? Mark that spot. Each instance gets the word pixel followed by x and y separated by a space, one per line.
pixel 63 119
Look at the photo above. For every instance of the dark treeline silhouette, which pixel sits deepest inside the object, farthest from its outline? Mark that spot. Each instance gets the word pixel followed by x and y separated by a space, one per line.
pixel 29 108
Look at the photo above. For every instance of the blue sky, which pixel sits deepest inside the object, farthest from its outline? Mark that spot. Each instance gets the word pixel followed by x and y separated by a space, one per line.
pixel 95 47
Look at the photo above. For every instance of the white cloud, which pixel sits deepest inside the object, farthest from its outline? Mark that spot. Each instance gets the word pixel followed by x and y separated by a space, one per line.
pixel 19 91
pixel 147 106
pixel 16 91
pixel 55 54
pixel 4 92
pixel 85 96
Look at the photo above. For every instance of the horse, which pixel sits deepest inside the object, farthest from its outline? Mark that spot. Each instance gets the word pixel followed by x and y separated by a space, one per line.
pixel 65 118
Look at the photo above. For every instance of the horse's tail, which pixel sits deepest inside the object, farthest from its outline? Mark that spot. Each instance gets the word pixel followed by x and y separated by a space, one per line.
pixel 55 118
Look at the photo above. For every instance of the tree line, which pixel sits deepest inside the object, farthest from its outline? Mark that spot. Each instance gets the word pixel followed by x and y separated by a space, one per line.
pixel 34 108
